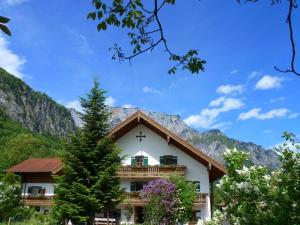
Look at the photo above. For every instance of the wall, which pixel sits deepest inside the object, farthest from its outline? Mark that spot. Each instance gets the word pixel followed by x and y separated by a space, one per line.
pixel 48 186
pixel 155 146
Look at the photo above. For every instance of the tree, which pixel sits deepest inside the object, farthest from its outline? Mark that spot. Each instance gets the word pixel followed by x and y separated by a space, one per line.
pixel 10 190
pixel 186 193
pixel 89 183
pixel 255 195
pixel 3 27
pixel 146 32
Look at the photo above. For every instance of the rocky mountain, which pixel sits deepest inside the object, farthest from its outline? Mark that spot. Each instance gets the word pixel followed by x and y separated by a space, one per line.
pixel 33 110
pixel 212 142
pixel 39 113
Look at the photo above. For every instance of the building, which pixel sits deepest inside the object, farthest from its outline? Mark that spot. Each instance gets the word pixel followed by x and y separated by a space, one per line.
pixel 151 151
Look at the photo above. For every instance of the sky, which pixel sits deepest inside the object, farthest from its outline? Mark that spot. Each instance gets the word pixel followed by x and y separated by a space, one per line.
pixel 56 50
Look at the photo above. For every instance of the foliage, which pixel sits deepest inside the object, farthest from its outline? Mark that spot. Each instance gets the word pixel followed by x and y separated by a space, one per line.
pixel 254 195
pixel 161 202
pixel 3 26
pixel 186 194
pixel 10 204
pixel 145 30
pixel 89 183
pixel 18 143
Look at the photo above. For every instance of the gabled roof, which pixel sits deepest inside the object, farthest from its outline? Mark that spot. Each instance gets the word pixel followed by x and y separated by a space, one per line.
pixel 37 165
pixel 216 170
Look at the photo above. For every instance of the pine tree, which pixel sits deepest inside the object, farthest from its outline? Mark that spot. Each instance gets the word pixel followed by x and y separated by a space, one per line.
pixel 91 159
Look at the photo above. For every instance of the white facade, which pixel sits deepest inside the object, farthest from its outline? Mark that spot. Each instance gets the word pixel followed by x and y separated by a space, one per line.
pixel 153 146
pixel 49 188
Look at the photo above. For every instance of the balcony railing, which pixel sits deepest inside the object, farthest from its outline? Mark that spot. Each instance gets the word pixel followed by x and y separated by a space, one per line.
pixel 38 200
pixel 133 199
pixel 150 172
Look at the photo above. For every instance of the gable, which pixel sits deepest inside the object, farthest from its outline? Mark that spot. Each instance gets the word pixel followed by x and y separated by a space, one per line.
pixel 216 170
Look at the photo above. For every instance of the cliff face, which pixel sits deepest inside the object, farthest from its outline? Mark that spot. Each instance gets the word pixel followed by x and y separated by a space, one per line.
pixel 33 110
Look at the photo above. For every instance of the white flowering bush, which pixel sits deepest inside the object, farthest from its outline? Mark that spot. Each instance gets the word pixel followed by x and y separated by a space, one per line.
pixel 255 195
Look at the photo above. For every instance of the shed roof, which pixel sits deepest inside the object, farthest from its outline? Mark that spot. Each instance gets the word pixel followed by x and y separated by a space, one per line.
pixel 37 165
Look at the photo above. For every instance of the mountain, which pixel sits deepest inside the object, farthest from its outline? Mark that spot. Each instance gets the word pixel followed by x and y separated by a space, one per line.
pixel 33 110
pixel 212 142
pixel 18 143
pixel 39 113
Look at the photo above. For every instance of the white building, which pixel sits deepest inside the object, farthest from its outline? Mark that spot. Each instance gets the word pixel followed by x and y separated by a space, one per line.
pixel 151 151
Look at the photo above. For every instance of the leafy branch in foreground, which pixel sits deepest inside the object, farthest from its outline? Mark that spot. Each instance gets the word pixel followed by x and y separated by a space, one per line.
pixel 3 27
pixel 146 31
pixel 292 6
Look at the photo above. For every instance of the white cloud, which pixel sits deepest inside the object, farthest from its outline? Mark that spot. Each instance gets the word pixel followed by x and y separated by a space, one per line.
pixel 12 2
pixel 231 89
pixel 253 74
pixel 277 99
pixel 10 61
pixel 234 71
pixel 255 113
pixel 110 101
pixel 269 82
pixel 268 131
pixel 75 104
pixel 147 89
pixel 207 118
pixel 293 115
pixel 128 106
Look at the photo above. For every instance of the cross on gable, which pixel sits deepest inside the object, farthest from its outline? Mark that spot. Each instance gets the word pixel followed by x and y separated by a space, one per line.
pixel 140 136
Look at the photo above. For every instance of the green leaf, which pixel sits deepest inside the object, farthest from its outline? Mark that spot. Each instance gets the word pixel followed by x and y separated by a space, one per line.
pixel 4 19
pixel 5 29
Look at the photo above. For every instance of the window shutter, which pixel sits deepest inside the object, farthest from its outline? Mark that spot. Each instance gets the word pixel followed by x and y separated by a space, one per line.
pixel 146 161
pixel 161 160
pixel 174 160
pixel 197 184
pixel 133 161
pixel 132 186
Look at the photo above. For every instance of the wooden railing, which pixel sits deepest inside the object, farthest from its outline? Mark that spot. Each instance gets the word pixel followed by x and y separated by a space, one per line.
pixel 150 172
pixel 38 200
pixel 133 199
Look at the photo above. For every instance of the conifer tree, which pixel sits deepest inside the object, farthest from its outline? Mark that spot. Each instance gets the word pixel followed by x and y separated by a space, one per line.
pixel 89 183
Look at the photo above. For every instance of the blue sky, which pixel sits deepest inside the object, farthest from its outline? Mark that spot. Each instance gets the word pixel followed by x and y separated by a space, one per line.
pixel 56 50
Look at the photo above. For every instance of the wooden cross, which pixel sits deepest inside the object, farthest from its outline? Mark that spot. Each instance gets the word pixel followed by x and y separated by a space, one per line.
pixel 140 136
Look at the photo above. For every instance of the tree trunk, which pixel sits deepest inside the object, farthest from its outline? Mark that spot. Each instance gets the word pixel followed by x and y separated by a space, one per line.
pixel 108 217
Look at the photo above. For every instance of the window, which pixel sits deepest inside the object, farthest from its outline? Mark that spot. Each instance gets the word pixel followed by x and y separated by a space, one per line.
pixel 139 160
pixel 197 185
pixel 168 160
pixel 36 190
pixel 137 186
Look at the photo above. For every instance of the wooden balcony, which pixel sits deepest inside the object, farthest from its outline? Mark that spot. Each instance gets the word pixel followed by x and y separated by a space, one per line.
pixel 38 200
pixel 133 199
pixel 150 172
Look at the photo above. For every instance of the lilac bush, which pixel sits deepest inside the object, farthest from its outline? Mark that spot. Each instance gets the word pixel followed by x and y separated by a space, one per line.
pixel 161 201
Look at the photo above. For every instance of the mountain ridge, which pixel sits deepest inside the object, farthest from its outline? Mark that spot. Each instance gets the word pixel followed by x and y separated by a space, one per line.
pixel 39 113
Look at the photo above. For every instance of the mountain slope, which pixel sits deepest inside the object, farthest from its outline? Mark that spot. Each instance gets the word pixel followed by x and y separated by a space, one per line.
pixel 39 113
pixel 18 143
pixel 212 142
pixel 34 110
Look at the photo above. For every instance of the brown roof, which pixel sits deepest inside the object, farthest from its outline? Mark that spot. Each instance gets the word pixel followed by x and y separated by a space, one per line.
pixel 216 169
pixel 37 165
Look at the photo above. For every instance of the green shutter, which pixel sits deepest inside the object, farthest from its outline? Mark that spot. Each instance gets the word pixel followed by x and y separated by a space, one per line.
pixel 133 161
pixel 132 186
pixel 197 185
pixel 161 160
pixel 174 160
pixel 146 161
